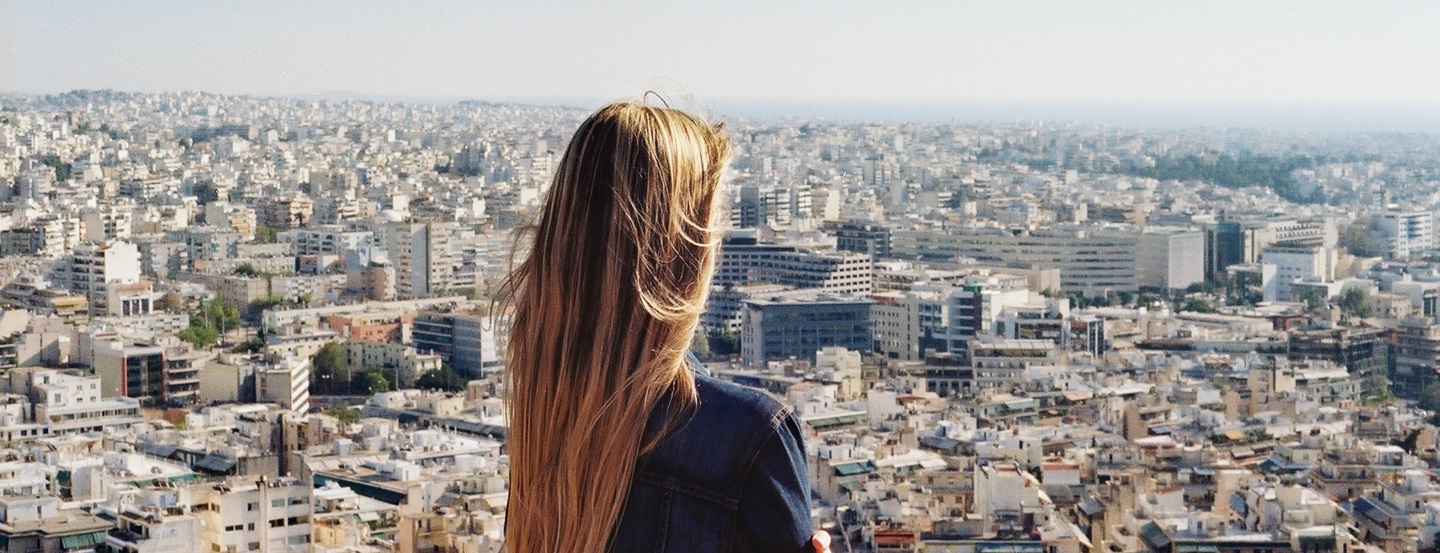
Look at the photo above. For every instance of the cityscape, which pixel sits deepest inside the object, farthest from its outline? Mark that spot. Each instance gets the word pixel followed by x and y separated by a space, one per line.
pixel 266 322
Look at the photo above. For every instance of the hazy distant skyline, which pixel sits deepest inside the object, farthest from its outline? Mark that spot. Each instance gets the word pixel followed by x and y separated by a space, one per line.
pixel 1383 57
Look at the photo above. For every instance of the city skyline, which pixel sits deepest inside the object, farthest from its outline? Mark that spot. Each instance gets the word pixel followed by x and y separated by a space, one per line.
pixel 1283 65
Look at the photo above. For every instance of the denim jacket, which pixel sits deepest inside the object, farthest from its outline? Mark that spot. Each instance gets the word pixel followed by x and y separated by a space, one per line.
pixel 733 477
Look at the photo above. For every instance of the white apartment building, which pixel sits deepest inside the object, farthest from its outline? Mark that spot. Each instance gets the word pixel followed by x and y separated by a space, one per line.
pixel 1170 258
pixel 91 268
pixel 1298 263
pixel 244 515
pixel 1401 234
pixel 745 261
pixel 326 239
pixel 286 383
pixel 1091 261
pixel 421 255
pixel 157 520
pixel 108 222
pixel 63 403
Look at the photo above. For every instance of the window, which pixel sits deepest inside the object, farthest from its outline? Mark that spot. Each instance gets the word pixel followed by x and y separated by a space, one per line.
pixel 253 506
pixel 277 502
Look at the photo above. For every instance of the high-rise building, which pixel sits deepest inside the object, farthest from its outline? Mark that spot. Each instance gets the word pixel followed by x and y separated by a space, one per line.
pixel 1401 234
pixel 1091 261
pixel 744 260
pixel 92 268
pixel 465 341
pixel 1417 357
pixel 782 328
pixel 872 239
pixel 1170 258
pixel 420 253
pixel 1298 263
pixel 254 514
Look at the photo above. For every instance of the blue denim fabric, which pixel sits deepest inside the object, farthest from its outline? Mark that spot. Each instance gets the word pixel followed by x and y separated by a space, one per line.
pixel 733 477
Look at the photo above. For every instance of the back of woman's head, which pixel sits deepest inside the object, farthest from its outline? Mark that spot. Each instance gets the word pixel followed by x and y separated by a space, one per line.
pixel 604 308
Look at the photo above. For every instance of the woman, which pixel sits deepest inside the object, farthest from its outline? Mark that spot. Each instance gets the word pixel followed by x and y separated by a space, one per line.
pixel 617 441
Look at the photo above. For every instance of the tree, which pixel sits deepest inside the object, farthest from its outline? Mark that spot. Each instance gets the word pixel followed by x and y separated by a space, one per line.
pixel 344 413
pixel 701 344
pixel 724 343
pixel 198 334
pixel 221 315
pixel 1199 306
pixel 1355 302
pixel 246 270
pixel 1126 298
pixel 327 364
pixel 171 301
pixel 444 379
pixel 370 381
pixel 265 234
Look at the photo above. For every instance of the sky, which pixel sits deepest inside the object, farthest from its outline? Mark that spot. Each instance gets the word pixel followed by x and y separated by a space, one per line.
pixel 850 58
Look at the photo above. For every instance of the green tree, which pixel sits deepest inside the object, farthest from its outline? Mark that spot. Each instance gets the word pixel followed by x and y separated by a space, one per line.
pixel 444 378
pixel 370 381
pixel 701 344
pixel 221 315
pixel 199 334
pixel 246 270
pixel 725 343
pixel 1355 302
pixel 344 413
pixel 265 234
pixel 1199 306
pixel 327 364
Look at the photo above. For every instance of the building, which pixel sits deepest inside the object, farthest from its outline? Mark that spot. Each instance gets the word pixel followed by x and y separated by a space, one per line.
pixel 744 260
pixel 1170 259
pixel 1092 261
pixel 909 323
pixel 153 374
pixel 1298 263
pixel 1401 234
pixel 285 213
pixel 782 328
pixel 1364 352
pixel 401 363
pixel 326 239
pixel 1417 357
pixel 42 524
pixel 286 383
pixel 92 268
pixel 420 253
pixel 872 239
pixel 160 521
pixel 465 341
pixel 260 514
pixel 1002 361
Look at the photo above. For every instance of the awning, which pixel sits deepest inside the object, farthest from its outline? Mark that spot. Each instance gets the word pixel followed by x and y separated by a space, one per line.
pixel 79 541
pixel 369 516
pixel 215 464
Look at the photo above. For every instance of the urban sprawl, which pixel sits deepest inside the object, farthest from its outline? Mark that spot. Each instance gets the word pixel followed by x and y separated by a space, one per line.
pixel 237 324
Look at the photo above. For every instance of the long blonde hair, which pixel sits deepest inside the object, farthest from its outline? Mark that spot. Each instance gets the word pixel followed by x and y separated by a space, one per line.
pixel 604 308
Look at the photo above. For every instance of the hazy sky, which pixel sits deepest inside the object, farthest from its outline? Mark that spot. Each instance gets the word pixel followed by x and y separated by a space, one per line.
pixel 1196 52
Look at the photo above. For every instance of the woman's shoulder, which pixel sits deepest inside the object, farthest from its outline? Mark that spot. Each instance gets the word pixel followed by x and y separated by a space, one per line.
pixel 717 443
pixel 737 404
